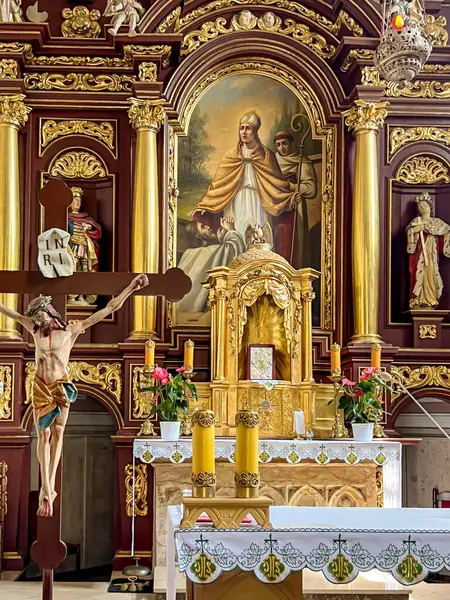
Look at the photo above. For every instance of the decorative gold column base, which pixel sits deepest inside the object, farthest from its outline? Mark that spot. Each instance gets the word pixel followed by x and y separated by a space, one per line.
pixel 363 338
pixel 226 513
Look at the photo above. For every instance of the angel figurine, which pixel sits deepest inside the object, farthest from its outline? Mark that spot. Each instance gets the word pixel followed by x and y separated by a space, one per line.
pixel 124 11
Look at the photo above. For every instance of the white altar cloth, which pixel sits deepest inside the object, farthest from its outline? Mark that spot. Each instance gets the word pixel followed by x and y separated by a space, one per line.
pixel 340 542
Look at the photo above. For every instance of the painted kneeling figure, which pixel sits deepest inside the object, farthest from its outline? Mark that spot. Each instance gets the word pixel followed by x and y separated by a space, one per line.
pixel 53 392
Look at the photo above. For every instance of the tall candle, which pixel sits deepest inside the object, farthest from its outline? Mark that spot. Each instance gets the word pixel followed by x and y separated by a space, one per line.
pixel 375 356
pixel 335 358
pixel 247 454
pixel 150 352
pixel 299 422
pixel 189 354
pixel 203 454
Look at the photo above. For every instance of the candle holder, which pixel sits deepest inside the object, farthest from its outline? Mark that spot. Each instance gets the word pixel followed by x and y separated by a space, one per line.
pixel 339 430
pixel 147 427
pixel 188 373
pixel 186 424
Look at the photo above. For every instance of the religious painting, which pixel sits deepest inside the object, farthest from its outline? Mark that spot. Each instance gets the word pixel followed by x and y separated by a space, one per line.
pixel 250 157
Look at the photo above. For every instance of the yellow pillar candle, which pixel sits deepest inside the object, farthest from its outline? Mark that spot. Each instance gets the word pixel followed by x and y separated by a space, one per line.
pixel 375 356
pixel 189 354
pixel 335 359
pixel 247 454
pixel 203 454
pixel 150 352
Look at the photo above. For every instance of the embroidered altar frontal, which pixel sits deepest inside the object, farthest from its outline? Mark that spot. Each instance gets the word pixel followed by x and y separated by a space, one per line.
pixel 408 543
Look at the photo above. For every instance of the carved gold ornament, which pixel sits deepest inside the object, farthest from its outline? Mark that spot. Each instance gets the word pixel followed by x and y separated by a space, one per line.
pixel 78 165
pixel 423 169
pixel 79 82
pixel 203 479
pixel 427 331
pixel 142 400
pixel 371 76
pixel 366 115
pixel 106 376
pixel 140 490
pixel 172 204
pixel 400 136
pixel 435 28
pixel 420 89
pixel 334 27
pixel 3 490
pixel 380 487
pixel 5 392
pixel 246 21
pixel 78 61
pixel 146 114
pixel 247 479
pixel 9 68
pixel 80 22
pixel 354 55
pixel 247 418
pixel 102 131
pixel 148 71
pixel 132 50
pixel 15 47
pixel 13 110
pixel 425 376
pixel 203 418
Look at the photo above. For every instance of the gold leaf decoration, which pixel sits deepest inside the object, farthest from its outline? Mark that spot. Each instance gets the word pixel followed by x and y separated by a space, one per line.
pixel 140 490
pixel 142 400
pixel 354 55
pixel 80 22
pixel 423 169
pixel 163 51
pixel 9 68
pixel 52 129
pixel 366 115
pixel 79 82
pixel 435 28
pixel 13 110
pixel 427 331
pixel 3 491
pixel 6 394
pixel 78 61
pixel 148 71
pixel 425 376
pixel 146 113
pixel 420 89
pixel 78 165
pixel 400 136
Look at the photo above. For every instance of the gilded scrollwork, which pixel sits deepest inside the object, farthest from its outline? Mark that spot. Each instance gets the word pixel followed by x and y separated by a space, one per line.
pixel 140 477
pixel 148 71
pixel 380 487
pixel 366 115
pixel 79 82
pixel 298 31
pixel 427 331
pixel 371 76
pixel 13 110
pixel 9 68
pixel 106 376
pixel 3 490
pixel 142 401
pixel 16 47
pixel 424 376
pixel 423 170
pixel 102 131
pixel 78 165
pixel 334 27
pixel 6 380
pixel 132 50
pixel 80 22
pixel 78 61
pixel 354 55
pixel 400 136
pixel 146 114
pixel 172 205
pixel 435 28
pixel 420 89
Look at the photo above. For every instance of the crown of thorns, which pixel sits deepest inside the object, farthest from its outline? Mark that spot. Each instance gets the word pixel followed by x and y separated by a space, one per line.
pixel 37 304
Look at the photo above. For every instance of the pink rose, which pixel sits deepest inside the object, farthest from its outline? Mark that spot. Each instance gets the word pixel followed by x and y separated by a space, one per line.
pixel 159 373
pixel 368 373
pixel 181 369
pixel 165 381
pixel 346 381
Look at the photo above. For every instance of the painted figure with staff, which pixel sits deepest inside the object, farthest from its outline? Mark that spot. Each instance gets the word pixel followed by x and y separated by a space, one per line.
pixel 427 238
pixel 299 171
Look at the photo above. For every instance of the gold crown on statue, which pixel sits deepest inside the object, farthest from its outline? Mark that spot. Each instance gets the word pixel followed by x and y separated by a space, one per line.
pixel 425 197
pixel 259 235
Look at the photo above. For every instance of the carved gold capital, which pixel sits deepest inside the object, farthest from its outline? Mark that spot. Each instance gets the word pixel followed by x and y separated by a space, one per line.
pixel 146 114
pixel 203 418
pixel 13 110
pixel 308 296
pixel 365 116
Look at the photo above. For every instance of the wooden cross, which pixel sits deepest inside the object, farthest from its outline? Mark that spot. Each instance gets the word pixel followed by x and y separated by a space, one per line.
pixel 49 551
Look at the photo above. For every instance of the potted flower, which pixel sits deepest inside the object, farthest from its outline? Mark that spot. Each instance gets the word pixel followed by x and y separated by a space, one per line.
pixel 359 402
pixel 171 395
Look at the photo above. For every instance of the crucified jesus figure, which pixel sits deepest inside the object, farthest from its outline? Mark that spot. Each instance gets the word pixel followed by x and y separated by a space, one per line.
pixel 53 392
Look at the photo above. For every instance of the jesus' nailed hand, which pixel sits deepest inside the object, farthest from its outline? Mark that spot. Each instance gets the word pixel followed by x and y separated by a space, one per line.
pixel 52 391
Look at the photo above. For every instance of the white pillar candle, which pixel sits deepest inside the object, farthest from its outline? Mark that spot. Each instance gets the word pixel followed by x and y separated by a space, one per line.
pixel 299 422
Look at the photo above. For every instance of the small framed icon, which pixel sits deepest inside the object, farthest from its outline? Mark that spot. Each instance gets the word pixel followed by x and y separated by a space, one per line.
pixel 260 361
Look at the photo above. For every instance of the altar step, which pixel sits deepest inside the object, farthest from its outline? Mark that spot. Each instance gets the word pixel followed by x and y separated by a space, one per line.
pixel 322 595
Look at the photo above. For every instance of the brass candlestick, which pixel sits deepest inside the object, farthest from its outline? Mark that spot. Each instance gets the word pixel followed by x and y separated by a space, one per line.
pixel 339 430
pixel 188 373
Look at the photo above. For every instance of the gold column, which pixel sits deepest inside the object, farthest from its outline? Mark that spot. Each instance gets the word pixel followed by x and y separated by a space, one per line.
pixel 13 116
pixel 221 296
pixel 146 117
pixel 307 359
pixel 365 119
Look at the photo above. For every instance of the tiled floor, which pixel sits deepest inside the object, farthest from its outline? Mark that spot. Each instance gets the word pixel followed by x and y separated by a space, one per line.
pixel 10 590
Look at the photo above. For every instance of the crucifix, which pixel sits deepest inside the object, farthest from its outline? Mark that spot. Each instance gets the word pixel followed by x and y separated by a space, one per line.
pixel 45 319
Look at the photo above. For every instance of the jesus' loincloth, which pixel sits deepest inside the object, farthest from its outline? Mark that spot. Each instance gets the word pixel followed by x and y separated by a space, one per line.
pixel 47 400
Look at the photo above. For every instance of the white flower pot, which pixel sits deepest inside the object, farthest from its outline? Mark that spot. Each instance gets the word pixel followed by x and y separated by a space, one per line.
pixel 362 432
pixel 170 430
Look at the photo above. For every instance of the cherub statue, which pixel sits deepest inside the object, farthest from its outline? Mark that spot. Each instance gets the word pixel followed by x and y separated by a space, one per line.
pixel 11 11
pixel 428 237
pixel 259 235
pixel 124 11
pixel 52 391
